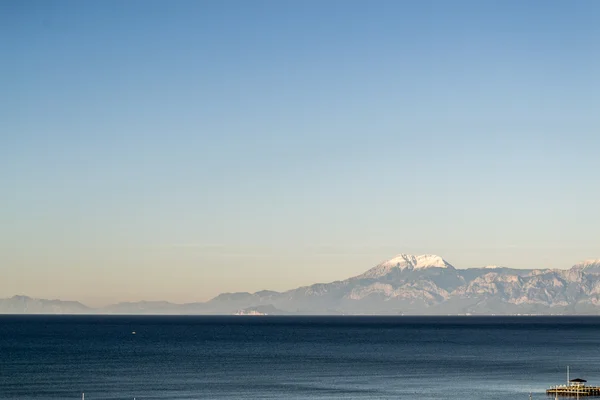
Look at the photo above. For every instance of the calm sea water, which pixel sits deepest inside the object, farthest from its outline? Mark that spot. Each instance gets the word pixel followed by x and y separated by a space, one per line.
pixel 59 357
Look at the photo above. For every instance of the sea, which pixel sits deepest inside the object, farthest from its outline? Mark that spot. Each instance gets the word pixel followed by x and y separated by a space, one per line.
pixel 285 357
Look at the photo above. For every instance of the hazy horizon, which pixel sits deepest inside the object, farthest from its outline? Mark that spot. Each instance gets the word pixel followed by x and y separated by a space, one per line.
pixel 175 151
pixel 105 301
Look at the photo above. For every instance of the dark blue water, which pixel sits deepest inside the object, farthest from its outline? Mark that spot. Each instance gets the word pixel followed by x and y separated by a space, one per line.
pixel 59 357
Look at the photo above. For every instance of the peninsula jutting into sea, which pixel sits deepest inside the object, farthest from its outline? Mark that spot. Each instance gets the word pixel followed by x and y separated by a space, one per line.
pixel 403 285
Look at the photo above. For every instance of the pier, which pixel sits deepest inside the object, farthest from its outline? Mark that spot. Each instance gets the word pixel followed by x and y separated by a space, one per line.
pixel 570 391
pixel 574 388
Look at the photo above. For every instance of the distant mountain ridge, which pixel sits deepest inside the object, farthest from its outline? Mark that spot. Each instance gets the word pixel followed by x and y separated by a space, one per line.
pixel 406 284
pixel 26 305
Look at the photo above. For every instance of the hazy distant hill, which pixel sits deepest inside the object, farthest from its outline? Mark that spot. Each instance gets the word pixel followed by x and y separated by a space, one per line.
pixel 406 284
pixel 28 305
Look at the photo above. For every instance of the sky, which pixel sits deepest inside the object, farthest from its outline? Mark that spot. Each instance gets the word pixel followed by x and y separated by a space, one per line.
pixel 175 150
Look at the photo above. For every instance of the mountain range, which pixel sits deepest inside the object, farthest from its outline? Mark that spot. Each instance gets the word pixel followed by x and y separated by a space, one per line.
pixel 403 285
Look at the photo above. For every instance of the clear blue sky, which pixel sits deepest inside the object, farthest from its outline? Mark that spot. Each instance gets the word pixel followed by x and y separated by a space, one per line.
pixel 177 149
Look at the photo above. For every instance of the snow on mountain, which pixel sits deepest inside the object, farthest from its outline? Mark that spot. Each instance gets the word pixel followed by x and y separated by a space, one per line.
pixel 416 262
pixel 404 262
pixel 588 266
pixel 588 263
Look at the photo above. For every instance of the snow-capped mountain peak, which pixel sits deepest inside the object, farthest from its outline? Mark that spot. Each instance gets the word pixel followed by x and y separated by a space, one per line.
pixel 403 261
pixel 431 261
pixel 588 263
pixel 588 266
pixel 407 262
